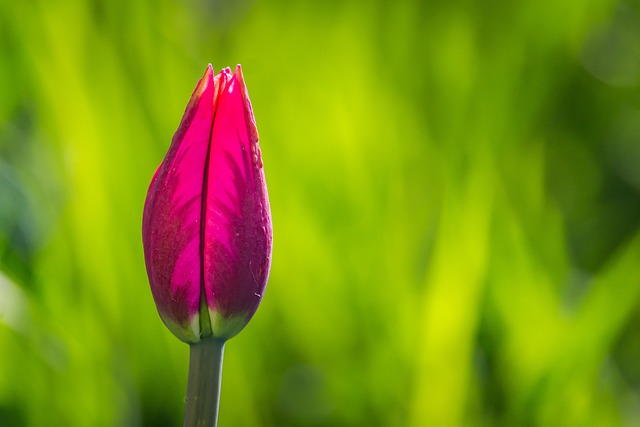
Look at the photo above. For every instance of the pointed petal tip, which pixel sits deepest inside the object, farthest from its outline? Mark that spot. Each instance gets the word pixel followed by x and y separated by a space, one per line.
pixel 238 74
pixel 201 88
pixel 208 75
pixel 242 86
pixel 203 83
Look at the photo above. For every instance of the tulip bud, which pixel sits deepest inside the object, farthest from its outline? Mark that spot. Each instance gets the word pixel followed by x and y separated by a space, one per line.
pixel 206 226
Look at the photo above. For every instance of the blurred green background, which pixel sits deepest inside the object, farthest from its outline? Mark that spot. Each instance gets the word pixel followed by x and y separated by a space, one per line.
pixel 455 189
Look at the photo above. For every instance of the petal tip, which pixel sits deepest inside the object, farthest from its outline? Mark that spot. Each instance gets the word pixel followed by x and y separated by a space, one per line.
pixel 239 76
pixel 206 80
pixel 201 87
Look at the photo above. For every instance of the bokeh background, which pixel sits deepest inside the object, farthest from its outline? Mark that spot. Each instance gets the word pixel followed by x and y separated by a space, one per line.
pixel 455 189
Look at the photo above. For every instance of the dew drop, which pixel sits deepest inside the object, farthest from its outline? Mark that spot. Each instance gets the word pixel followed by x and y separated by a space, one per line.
pixel 257 158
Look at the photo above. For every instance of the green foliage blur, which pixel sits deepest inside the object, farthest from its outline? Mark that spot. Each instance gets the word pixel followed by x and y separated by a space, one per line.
pixel 455 190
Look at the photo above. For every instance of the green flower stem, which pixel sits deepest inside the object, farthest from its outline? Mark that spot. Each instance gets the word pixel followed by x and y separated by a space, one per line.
pixel 203 387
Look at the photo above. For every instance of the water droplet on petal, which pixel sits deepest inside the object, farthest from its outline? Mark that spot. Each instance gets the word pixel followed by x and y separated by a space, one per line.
pixel 257 158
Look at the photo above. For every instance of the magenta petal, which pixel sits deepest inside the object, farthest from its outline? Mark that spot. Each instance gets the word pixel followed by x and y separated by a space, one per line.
pixel 238 235
pixel 172 216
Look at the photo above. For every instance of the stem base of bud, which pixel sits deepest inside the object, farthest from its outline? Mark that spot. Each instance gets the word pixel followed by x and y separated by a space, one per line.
pixel 203 387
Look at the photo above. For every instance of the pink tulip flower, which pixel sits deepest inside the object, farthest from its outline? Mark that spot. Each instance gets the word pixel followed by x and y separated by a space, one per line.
pixel 206 226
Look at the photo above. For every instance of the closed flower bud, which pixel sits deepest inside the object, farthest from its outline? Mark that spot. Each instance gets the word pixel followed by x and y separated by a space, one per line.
pixel 206 226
